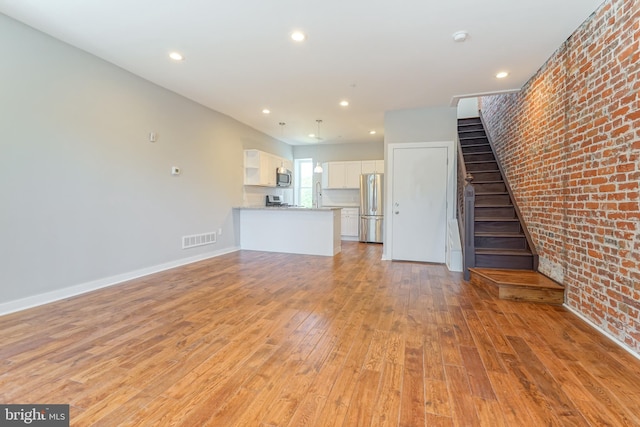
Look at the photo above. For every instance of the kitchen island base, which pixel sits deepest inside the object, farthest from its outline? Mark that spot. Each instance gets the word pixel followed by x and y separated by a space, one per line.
pixel 291 230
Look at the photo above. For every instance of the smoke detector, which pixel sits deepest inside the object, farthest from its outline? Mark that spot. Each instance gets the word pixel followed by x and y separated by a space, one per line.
pixel 460 36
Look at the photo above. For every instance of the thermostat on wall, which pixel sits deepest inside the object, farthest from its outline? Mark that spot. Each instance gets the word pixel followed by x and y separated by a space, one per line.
pixel 175 170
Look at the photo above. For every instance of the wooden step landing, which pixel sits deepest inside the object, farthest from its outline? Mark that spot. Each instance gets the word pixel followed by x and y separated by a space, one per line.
pixel 518 285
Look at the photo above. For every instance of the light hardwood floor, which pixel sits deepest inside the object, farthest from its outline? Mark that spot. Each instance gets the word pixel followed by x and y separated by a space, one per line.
pixel 262 339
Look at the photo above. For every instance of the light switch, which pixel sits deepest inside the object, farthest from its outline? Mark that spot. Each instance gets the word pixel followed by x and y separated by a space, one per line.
pixel 152 137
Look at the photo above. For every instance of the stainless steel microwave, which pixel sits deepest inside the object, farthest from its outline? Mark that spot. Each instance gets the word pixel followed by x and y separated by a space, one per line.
pixel 283 177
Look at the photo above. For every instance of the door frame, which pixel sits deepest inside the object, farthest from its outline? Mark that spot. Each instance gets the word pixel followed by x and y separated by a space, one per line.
pixel 451 189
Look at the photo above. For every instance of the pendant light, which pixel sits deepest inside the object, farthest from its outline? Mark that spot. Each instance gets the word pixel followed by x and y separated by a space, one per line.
pixel 282 169
pixel 318 168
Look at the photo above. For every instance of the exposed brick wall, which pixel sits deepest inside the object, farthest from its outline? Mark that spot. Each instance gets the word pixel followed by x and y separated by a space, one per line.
pixel 570 146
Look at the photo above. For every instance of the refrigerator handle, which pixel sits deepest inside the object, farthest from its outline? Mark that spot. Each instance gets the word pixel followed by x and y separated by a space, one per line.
pixel 375 194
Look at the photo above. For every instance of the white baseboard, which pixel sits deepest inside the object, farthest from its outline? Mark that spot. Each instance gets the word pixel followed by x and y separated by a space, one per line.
pixel 603 332
pixel 71 291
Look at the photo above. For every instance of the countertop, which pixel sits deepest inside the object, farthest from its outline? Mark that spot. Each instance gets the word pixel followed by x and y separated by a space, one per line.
pixel 289 208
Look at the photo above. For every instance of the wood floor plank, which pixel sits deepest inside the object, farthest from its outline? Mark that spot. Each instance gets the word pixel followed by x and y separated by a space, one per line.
pixel 412 410
pixel 387 407
pixel 478 380
pixel 462 402
pixel 344 340
pixel 437 399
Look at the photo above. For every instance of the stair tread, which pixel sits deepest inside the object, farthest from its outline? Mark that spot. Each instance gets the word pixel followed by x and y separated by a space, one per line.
pixel 483 205
pixel 484 171
pixel 527 278
pixel 498 234
pixel 487 182
pixel 514 252
pixel 496 219
pixel 476 153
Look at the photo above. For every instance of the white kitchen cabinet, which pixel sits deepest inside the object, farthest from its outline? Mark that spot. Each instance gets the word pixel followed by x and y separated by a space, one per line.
pixel 349 222
pixel 373 166
pixel 341 174
pixel 260 167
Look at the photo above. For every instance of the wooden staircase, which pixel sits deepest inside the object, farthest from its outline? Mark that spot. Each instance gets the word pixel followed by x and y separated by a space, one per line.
pixel 499 237
pixel 505 265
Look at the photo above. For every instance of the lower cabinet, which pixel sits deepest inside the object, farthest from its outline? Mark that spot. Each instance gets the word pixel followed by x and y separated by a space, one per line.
pixel 349 221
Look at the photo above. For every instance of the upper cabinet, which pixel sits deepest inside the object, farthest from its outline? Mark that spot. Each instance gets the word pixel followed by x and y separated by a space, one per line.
pixel 373 166
pixel 346 175
pixel 341 174
pixel 260 167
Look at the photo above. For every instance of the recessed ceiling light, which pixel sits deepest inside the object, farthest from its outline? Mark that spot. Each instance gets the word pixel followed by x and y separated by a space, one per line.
pixel 298 36
pixel 502 75
pixel 312 135
pixel 266 111
pixel 372 132
pixel 460 36
pixel 344 103
pixel 176 56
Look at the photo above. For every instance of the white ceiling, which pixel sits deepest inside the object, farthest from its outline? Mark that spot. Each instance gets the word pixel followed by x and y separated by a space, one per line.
pixel 379 54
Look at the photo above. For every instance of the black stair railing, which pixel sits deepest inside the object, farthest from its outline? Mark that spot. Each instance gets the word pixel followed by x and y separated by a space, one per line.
pixel 469 248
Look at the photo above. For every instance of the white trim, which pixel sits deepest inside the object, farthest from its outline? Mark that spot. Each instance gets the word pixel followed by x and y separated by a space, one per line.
pixel 456 98
pixel 602 331
pixel 71 291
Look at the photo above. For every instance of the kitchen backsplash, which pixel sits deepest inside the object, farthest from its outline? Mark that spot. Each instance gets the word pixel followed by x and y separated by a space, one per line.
pixel 255 196
pixel 340 197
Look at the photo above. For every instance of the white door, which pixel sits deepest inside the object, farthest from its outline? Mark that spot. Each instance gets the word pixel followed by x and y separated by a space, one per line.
pixel 419 211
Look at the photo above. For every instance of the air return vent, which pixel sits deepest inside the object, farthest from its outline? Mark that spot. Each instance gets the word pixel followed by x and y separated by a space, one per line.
pixel 198 240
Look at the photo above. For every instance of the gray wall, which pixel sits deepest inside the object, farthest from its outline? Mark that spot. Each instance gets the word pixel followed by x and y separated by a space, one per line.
pixel 420 125
pixel 85 195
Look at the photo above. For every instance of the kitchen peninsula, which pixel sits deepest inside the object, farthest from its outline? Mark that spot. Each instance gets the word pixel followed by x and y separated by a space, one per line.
pixel 309 231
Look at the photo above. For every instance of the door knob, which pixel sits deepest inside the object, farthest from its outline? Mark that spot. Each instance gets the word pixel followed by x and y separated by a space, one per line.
pixel 397 212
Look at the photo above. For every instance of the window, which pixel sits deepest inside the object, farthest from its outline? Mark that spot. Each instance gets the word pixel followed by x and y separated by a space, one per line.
pixel 303 182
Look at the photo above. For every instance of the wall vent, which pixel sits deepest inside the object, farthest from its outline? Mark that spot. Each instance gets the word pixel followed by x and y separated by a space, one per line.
pixel 198 240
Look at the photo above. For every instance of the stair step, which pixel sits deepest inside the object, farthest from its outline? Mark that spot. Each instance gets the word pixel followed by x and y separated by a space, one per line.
pixel 475 148
pixel 492 211
pixel 490 187
pixel 498 234
pixel 486 175
pixel 472 133
pixel 491 193
pixel 518 285
pixel 478 157
pixel 471 140
pixel 487 181
pixel 481 166
pixel 493 198
pixel 470 126
pixel 500 241
pixel 518 259
pixel 478 152
pixel 497 225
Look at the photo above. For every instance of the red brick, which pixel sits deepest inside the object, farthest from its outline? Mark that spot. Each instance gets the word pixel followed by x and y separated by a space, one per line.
pixel 569 142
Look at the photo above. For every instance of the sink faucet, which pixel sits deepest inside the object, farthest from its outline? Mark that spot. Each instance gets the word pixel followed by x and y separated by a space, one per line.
pixel 318 194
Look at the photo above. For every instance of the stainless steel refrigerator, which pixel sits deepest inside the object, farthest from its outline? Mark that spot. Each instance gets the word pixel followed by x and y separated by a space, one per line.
pixel 371 207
